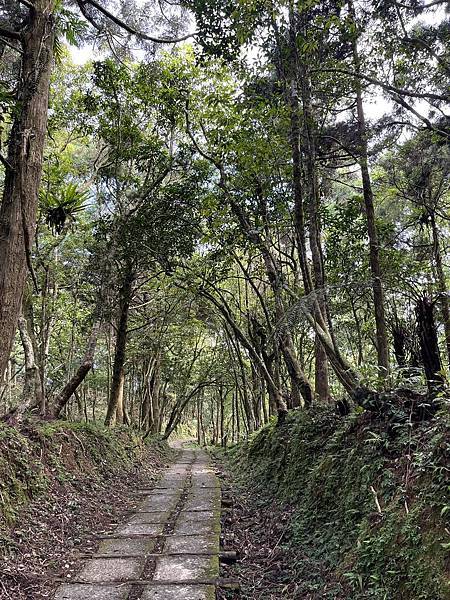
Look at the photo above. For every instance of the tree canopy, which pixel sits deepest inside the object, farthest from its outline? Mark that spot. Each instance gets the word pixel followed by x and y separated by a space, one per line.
pixel 233 210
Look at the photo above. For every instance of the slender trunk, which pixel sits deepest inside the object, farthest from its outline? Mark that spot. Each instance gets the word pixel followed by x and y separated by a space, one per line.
pixel 145 416
pixel 222 417
pixel 257 394
pixel 29 316
pixel 442 284
pixel 274 372
pixel 156 400
pixel 32 386
pixel 23 173
pixel 120 348
pixel 301 385
pixel 299 70
pixel 178 409
pixel 264 405
pixel 374 251
pixel 199 431
pixel 238 420
pixel 233 419
pixel 120 413
pixel 321 368
pixel 321 364
pixel 202 426
pixel 49 293
pixel 429 346
pixel 348 377
pixel 86 393
pixel 272 386
pixel 249 412
pixel 301 390
pixel 122 416
pixel 80 374
pixel 299 211
pixel 359 343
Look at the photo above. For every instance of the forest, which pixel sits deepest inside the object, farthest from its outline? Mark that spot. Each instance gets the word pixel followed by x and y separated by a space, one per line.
pixel 228 221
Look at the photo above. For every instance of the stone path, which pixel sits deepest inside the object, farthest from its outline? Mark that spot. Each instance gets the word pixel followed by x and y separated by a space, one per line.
pixel 168 549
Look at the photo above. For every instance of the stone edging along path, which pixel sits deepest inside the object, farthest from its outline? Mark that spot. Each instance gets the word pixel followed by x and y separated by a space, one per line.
pixel 168 549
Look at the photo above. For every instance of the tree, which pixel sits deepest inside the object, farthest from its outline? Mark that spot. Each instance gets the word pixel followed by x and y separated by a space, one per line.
pixel 34 38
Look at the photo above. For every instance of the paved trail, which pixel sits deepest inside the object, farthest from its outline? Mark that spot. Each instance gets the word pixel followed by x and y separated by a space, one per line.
pixel 168 549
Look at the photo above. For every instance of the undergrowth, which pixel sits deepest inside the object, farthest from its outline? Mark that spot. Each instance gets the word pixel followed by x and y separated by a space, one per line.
pixel 371 498
pixel 42 454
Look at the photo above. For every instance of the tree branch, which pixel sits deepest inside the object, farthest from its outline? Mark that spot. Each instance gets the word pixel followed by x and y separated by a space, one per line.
pixel 385 86
pixel 27 3
pixel 10 34
pixel 420 8
pixel 12 46
pixel 140 34
pixel 397 98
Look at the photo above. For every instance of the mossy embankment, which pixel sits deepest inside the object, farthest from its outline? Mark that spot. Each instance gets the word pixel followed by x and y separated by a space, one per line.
pixel 370 499
pixel 42 454
pixel 62 484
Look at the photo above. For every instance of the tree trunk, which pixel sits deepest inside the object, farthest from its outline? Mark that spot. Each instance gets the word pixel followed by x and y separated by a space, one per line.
pixel 179 407
pixel 222 416
pixel 429 345
pixel 248 407
pixel 145 416
pixel 29 316
pixel 199 416
pixel 301 385
pixel 233 327
pixel 374 258
pixel 23 173
pixel 31 388
pixel 301 390
pixel 155 399
pixel 120 412
pixel 46 324
pixel 299 211
pixel 32 385
pixel 348 377
pixel 321 385
pixel 442 284
pixel 80 374
pixel 120 348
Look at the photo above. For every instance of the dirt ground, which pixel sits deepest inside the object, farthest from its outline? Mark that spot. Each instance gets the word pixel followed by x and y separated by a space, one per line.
pixel 45 545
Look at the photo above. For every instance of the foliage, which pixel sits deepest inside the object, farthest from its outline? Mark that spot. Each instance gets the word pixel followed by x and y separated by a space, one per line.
pixel 339 475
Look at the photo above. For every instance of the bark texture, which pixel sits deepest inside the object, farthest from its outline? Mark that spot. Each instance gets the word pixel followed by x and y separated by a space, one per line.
pixel 374 252
pixel 120 349
pixel 23 175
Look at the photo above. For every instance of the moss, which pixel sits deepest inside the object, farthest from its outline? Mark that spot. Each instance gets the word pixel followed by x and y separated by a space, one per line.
pixel 21 474
pixel 338 473
pixel 59 451
pixel 212 571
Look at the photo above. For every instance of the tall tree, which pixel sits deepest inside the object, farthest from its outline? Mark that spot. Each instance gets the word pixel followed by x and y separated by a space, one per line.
pixel 34 38
pixel 23 164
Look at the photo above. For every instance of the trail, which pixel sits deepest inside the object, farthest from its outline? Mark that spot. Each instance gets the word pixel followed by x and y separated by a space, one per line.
pixel 167 549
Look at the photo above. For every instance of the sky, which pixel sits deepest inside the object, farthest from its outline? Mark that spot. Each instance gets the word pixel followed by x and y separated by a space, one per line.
pixel 375 106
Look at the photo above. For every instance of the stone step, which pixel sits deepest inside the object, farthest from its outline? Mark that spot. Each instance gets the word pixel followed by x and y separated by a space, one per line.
pixel 140 558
